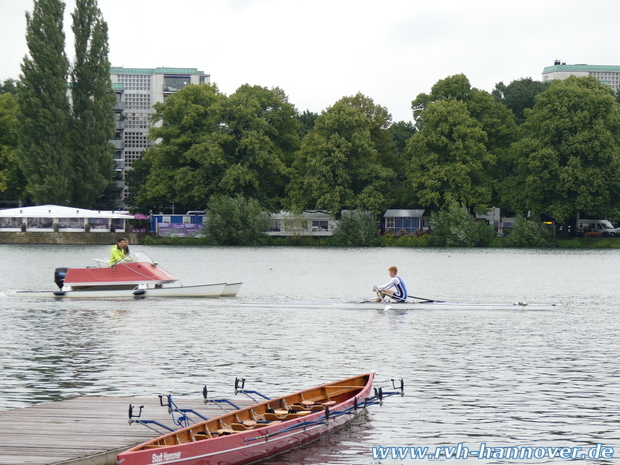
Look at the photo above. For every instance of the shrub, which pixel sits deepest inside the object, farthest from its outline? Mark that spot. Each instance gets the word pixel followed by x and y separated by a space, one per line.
pixel 236 221
pixel 356 229
pixel 529 233
pixel 455 227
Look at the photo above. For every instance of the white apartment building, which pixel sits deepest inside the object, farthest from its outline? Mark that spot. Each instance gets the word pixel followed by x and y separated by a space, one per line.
pixel 137 90
pixel 609 75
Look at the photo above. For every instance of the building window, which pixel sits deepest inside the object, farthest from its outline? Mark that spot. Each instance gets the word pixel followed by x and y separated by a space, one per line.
pixel 174 83
pixel 389 223
pixel 320 225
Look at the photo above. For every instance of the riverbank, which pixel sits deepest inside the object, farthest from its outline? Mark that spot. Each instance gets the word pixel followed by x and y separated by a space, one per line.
pixel 70 238
pixel 106 238
pixel 391 241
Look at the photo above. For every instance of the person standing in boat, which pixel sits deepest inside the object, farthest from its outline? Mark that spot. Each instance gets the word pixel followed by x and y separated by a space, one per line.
pixel 119 251
pixel 394 288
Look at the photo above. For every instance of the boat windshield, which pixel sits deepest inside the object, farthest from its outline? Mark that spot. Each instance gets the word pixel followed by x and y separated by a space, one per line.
pixel 137 257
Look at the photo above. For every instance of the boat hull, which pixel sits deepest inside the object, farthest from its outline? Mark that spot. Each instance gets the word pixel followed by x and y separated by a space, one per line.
pixel 231 290
pixel 437 305
pixel 205 290
pixel 254 444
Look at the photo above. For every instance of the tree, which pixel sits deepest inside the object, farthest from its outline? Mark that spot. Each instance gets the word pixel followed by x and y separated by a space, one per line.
pixel 449 160
pixel 265 136
pixel 306 120
pixel 213 144
pixel 9 86
pixel 236 220
pixel 44 107
pixel 356 229
pixel 400 133
pixel 454 226
pixel 379 119
pixel 12 181
pixel 519 95
pixel 92 110
pixel 568 161
pixel 336 167
pixel 495 119
pixel 529 233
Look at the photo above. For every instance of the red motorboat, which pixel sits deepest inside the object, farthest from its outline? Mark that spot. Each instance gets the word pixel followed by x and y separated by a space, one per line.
pixel 260 431
pixel 136 275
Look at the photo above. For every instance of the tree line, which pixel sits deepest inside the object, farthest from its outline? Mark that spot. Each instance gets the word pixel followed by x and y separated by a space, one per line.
pixel 56 122
pixel 528 147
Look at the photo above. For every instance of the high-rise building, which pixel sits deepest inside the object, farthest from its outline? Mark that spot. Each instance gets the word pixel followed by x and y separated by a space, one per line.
pixel 609 75
pixel 137 90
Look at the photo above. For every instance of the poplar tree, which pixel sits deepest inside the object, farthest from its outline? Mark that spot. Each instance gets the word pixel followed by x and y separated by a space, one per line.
pixel 44 106
pixel 93 106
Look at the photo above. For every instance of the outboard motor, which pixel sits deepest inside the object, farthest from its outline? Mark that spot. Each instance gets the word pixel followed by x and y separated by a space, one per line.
pixel 59 276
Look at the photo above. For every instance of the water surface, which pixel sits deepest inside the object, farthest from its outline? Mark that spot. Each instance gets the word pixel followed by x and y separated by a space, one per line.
pixel 500 377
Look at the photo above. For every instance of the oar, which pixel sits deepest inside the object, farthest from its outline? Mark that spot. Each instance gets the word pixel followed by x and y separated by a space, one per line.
pixel 423 299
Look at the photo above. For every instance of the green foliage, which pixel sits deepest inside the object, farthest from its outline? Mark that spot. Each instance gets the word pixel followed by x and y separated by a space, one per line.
pixel 64 149
pixel 9 86
pixel 306 120
pixel 356 229
pixel 529 233
pixel 519 95
pixel 12 181
pixel 213 144
pixel 445 133
pixel 336 167
pixel 44 107
pixel 568 160
pixel 449 159
pixel 236 221
pixel 92 107
pixel 455 227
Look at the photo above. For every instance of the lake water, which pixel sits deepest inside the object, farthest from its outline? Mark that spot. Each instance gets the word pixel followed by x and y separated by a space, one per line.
pixel 543 379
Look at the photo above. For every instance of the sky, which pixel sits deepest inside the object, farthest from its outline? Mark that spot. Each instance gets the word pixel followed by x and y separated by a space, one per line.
pixel 321 51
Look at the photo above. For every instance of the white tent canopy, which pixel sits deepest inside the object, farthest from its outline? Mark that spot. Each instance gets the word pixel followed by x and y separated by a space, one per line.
pixel 46 218
pixel 55 211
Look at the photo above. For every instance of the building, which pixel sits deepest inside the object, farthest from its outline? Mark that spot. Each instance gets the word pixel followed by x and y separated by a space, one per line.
pixel 401 222
pixel 137 91
pixel 609 75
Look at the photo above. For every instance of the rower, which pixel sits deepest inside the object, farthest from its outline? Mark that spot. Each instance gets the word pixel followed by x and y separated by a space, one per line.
pixel 395 288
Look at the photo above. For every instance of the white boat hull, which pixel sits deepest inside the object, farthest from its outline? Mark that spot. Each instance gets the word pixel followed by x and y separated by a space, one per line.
pixel 436 305
pixel 204 290
pixel 231 290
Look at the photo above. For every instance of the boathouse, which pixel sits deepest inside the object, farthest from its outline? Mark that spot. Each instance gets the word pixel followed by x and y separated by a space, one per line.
pixel 399 222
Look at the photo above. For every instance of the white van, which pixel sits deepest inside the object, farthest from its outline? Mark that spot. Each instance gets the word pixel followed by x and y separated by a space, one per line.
pixel 587 227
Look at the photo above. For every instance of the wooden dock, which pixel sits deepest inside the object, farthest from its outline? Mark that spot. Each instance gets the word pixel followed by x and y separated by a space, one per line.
pixel 85 430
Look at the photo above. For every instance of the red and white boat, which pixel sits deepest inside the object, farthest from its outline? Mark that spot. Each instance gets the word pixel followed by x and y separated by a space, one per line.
pixel 135 276
pixel 261 430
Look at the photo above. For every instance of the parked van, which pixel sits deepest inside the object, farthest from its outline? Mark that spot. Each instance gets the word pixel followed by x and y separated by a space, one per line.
pixel 587 227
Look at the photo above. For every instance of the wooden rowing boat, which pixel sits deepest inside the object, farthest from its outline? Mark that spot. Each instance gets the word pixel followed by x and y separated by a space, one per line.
pixel 260 431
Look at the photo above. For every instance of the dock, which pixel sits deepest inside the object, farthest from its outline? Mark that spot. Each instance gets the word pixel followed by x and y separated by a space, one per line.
pixel 86 430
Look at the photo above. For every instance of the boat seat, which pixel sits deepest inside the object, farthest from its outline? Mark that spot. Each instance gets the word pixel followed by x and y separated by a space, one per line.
pixel 247 424
pixel 286 415
pixel 225 431
pixel 308 407
pixel 329 403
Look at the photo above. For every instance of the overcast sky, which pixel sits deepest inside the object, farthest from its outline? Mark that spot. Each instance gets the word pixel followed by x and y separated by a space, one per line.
pixel 320 51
